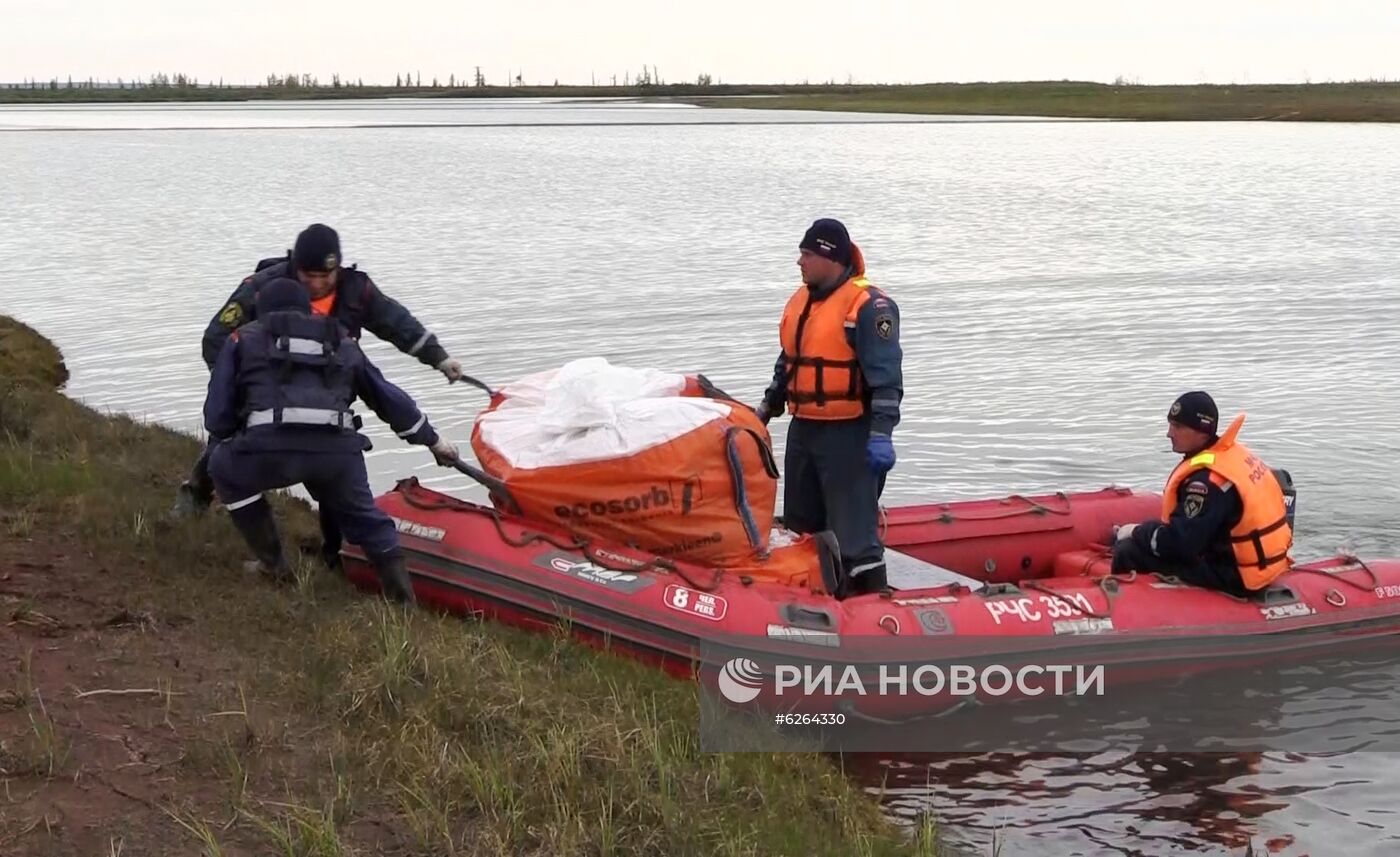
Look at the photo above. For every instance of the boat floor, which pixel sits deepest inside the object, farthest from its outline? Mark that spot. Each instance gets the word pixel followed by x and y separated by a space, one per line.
pixel 907 572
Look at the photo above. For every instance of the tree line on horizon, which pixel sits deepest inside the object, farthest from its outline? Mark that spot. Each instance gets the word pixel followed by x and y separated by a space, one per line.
pixel 648 76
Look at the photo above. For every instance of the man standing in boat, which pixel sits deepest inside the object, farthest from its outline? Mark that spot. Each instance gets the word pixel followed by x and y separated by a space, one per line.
pixel 344 293
pixel 1224 521
pixel 278 413
pixel 840 376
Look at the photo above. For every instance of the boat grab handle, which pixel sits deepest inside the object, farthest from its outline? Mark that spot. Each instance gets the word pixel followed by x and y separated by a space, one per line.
pixel 807 617
pixel 736 478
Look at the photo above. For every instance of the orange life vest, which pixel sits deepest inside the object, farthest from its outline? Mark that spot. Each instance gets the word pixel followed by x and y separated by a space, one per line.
pixel 1262 538
pixel 324 306
pixel 824 381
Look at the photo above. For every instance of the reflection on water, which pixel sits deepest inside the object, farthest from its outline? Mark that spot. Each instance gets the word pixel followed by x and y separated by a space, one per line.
pixel 1060 283
pixel 430 112
pixel 1113 802
pixel 1151 804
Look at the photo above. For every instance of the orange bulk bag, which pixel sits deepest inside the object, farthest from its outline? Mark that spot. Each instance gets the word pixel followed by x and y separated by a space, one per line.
pixel 658 460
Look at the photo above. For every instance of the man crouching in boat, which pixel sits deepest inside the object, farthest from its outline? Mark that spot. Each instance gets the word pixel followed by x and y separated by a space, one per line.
pixel 1224 516
pixel 279 409
pixel 840 375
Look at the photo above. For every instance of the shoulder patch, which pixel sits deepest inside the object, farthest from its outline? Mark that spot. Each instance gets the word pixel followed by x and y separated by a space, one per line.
pixel 231 315
pixel 885 325
pixel 1193 504
pixel 1196 488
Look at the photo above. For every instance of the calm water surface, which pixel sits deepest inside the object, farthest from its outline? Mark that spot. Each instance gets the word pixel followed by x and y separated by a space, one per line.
pixel 1060 284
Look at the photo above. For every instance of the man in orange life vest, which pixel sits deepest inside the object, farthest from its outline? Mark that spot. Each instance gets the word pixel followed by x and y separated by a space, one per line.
pixel 1224 521
pixel 840 376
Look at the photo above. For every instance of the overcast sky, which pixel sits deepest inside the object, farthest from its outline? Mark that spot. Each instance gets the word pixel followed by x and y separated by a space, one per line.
pixel 891 41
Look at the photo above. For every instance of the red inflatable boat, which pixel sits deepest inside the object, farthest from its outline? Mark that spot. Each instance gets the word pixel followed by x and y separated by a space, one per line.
pixel 1030 571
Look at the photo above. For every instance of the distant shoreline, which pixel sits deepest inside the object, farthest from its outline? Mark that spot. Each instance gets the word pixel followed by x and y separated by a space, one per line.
pixel 1319 102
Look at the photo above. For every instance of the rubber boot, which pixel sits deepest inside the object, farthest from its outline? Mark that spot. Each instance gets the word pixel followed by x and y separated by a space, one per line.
pixel 196 494
pixel 876 580
pixel 331 541
pixel 255 523
pixel 190 501
pixel 393 577
pixel 330 557
pixel 869 582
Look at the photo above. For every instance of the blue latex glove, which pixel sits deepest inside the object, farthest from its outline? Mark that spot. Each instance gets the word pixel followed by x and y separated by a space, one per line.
pixel 879 451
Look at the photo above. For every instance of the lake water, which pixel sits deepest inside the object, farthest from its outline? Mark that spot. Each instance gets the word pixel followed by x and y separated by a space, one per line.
pixel 1059 282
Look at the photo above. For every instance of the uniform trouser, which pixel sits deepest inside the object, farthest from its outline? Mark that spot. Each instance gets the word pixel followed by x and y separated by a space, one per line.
pixel 203 485
pixel 828 485
pixel 336 480
pixel 1128 555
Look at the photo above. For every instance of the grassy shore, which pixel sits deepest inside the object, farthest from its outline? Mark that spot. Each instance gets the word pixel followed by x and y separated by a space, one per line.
pixel 160 701
pixel 1326 102
pixel 1352 102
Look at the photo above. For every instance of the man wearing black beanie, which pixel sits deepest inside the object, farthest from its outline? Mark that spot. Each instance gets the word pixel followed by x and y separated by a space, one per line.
pixel 1225 520
pixel 278 407
pixel 344 293
pixel 840 376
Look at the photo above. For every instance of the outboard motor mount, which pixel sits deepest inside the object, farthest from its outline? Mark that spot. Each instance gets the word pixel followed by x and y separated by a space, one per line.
pixel 1290 494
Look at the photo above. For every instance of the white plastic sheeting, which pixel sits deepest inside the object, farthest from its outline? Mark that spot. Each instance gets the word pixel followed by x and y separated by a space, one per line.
pixel 589 410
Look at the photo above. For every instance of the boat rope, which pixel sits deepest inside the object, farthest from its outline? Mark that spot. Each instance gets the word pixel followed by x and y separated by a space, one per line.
pixel 1375 581
pixel 1110 583
pixel 1099 552
pixel 1032 508
pixel 577 542
pixel 1332 596
pixel 1173 580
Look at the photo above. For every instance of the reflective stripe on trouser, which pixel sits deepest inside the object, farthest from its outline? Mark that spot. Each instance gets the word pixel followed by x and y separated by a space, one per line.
pixel 857 570
pixel 336 480
pixel 303 417
pixel 828 485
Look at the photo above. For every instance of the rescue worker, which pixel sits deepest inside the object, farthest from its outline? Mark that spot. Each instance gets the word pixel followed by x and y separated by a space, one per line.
pixel 840 376
pixel 1224 522
pixel 278 409
pixel 348 295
